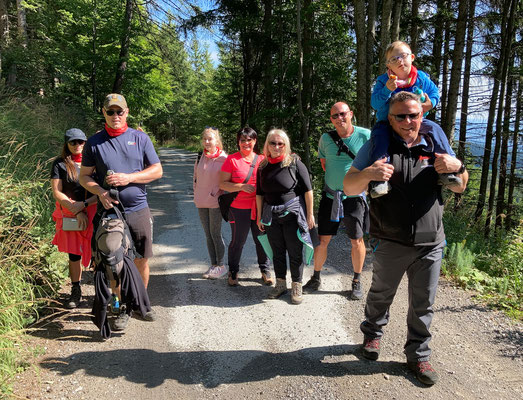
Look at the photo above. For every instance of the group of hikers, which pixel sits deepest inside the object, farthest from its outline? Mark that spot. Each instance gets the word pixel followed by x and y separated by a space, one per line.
pixel 401 164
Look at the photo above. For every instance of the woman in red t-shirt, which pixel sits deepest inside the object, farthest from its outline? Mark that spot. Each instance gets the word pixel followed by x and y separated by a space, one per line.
pixel 242 214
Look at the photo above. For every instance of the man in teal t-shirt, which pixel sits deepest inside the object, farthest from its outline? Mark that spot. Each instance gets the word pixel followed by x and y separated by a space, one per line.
pixel 336 151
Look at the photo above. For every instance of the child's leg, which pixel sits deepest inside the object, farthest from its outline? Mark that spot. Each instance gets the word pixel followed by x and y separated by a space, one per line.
pixel 379 139
pixel 441 143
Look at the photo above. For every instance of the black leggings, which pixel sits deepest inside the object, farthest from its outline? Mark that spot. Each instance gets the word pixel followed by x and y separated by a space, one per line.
pixel 74 257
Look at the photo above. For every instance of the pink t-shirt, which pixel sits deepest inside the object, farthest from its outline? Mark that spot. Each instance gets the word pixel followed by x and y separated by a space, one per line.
pixel 239 168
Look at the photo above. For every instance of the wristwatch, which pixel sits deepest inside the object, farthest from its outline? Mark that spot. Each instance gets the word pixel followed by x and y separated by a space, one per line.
pixel 86 204
pixel 462 168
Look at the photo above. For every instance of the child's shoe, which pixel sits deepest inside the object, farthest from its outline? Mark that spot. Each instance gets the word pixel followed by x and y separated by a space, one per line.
pixel 378 189
pixel 449 180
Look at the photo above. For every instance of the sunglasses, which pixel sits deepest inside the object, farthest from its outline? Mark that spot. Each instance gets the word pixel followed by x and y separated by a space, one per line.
pixel 401 117
pixel 76 142
pixel 111 112
pixel 396 59
pixel 279 144
pixel 341 114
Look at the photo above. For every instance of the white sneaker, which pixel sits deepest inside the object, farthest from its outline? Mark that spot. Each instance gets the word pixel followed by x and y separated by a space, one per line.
pixel 206 275
pixel 218 272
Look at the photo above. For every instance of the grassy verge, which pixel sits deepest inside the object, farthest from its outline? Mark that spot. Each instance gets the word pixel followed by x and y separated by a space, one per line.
pixel 31 270
pixel 492 267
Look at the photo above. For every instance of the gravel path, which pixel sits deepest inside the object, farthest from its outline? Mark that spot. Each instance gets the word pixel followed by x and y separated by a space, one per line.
pixel 216 342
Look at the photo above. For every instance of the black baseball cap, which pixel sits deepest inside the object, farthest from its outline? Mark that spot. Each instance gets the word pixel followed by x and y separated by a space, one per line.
pixel 74 134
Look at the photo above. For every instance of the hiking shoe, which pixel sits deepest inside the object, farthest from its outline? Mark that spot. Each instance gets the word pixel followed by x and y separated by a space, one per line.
pixel 312 285
pixel 120 323
pixel 149 315
pixel 218 272
pixel 424 372
pixel 296 293
pixel 357 293
pixel 279 289
pixel 233 279
pixel 378 189
pixel 371 348
pixel 206 274
pixel 75 298
pixel 267 278
pixel 449 180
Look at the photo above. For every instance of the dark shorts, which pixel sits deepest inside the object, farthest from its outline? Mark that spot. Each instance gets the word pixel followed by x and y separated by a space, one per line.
pixel 141 227
pixel 356 217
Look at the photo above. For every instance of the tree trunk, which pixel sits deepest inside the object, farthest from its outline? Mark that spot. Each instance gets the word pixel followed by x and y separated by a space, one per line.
pixel 492 112
pixel 307 90
pixel 505 135
pixel 445 74
pixel 124 47
pixel 280 61
pixel 449 123
pixel 371 60
pixel 414 24
pixel 514 157
pixel 304 128
pixel 362 68
pixel 4 23
pixel 386 12
pixel 267 63
pixel 439 29
pixel 22 23
pixel 466 82
pixel 94 93
pixel 396 16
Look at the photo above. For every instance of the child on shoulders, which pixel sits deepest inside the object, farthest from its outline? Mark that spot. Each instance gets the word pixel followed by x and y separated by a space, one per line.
pixel 403 76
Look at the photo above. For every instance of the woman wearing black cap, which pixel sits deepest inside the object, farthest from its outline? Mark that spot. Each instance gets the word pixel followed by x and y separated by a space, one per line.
pixel 74 211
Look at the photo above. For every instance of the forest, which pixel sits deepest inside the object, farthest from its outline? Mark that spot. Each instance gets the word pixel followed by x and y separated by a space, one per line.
pixel 278 63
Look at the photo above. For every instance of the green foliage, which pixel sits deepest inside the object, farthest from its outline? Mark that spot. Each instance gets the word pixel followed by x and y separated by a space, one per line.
pixel 31 270
pixel 493 267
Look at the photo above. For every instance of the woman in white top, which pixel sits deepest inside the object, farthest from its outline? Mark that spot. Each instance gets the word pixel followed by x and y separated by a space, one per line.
pixel 206 191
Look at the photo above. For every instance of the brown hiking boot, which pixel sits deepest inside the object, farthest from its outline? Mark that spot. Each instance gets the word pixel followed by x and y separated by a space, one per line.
pixel 296 293
pixel 233 279
pixel 267 278
pixel 279 289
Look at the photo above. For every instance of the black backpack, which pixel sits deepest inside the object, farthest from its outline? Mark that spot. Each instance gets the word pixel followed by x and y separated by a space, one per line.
pixel 112 242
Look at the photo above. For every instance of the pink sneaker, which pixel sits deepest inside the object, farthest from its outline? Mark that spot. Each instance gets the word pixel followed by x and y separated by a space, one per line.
pixel 207 273
pixel 218 272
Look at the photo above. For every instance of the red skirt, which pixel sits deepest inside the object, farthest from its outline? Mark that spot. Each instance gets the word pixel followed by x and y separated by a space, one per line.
pixel 74 242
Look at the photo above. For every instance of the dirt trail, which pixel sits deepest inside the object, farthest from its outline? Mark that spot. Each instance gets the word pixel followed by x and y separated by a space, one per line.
pixel 216 342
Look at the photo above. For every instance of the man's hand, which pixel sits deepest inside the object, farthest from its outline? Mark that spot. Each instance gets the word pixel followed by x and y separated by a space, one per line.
pixel 446 164
pixel 427 104
pixel 106 200
pixel 76 207
pixel 381 170
pixel 118 179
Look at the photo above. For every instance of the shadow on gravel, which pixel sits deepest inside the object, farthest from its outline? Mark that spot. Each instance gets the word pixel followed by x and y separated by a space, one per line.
pixel 213 368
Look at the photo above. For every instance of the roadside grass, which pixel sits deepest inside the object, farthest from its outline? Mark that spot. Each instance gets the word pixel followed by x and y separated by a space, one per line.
pixel 31 270
pixel 492 267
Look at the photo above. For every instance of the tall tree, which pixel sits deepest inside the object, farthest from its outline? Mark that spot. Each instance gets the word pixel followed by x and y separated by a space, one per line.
pixel 396 17
pixel 386 16
pixel 514 155
pixel 414 26
pixel 124 47
pixel 371 56
pixel 449 123
pixel 363 70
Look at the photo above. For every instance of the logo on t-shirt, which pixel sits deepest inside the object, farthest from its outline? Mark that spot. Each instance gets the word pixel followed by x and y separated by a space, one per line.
pixel 129 143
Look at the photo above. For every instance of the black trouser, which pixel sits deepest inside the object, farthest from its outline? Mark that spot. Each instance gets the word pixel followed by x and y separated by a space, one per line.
pixel 240 224
pixel 283 237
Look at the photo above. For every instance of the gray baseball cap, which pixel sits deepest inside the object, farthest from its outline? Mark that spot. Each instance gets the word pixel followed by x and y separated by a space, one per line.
pixel 74 134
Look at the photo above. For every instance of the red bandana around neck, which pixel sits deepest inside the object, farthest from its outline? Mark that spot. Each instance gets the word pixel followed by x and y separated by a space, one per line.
pixel 275 160
pixel 115 132
pixel 76 157
pixel 411 79
pixel 213 155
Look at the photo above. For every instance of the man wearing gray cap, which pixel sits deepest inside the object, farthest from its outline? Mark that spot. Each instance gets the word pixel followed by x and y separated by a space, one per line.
pixel 130 154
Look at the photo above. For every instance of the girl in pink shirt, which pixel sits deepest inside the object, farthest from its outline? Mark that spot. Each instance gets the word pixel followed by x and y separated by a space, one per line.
pixel 206 191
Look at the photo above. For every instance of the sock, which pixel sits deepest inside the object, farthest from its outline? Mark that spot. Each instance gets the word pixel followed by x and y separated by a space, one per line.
pixel 316 275
pixel 76 283
pixel 356 276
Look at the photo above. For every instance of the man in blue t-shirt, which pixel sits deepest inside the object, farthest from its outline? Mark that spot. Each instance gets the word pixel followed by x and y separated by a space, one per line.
pixel 336 151
pixel 131 156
